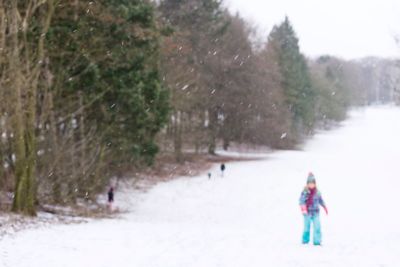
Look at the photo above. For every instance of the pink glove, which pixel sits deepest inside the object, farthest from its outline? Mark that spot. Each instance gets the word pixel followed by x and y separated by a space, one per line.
pixel 326 210
pixel 304 209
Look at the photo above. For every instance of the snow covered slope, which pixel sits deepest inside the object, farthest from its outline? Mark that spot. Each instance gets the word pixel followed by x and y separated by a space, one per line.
pixel 250 217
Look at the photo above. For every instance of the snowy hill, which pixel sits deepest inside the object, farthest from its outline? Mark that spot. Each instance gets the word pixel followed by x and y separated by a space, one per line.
pixel 250 217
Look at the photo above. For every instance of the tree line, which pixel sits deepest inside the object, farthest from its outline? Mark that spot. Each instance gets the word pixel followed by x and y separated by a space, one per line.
pixel 90 88
pixel 225 89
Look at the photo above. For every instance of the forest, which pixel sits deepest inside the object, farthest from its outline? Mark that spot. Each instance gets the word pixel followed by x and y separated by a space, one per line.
pixel 89 89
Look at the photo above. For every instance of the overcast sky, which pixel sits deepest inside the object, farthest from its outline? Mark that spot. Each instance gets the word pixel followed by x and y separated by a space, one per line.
pixel 345 28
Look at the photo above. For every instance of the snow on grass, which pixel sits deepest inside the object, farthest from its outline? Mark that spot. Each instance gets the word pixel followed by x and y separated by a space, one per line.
pixel 250 217
pixel 10 223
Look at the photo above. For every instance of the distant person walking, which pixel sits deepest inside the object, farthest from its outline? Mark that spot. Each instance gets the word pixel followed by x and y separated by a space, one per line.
pixel 310 201
pixel 222 169
pixel 110 195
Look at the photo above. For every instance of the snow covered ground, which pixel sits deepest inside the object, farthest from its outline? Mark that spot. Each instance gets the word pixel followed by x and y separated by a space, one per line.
pixel 250 217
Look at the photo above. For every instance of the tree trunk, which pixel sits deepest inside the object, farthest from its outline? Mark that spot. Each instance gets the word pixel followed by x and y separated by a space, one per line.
pixel 178 137
pixel 24 195
pixel 25 66
pixel 56 172
pixel 213 128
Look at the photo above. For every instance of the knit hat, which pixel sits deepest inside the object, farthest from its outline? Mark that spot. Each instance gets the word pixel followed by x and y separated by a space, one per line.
pixel 311 178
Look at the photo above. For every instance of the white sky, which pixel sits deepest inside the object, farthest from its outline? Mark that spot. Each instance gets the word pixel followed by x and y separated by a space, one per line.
pixel 345 28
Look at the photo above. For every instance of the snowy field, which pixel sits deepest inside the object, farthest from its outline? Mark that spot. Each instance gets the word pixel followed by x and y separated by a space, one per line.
pixel 250 218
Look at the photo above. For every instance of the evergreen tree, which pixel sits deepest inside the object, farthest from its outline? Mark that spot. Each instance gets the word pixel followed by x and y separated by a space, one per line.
pixel 109 51
pixel 296 82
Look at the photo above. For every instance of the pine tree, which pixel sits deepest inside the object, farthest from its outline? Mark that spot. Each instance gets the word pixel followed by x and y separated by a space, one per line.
pixel 300 96
pixel 111 54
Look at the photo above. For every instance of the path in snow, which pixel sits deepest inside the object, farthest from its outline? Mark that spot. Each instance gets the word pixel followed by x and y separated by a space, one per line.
pixel 250 217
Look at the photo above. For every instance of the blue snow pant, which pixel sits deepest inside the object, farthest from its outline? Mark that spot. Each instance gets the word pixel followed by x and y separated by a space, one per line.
pixel 308 220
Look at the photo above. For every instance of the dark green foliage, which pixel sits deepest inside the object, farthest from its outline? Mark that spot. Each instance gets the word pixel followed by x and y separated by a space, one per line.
pixel 296 82
pixel 332 101
pixel 88 101
pixel 109 51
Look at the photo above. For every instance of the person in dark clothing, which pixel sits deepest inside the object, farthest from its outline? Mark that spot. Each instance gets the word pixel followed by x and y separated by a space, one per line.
pixel 222 169
pixel 110 197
